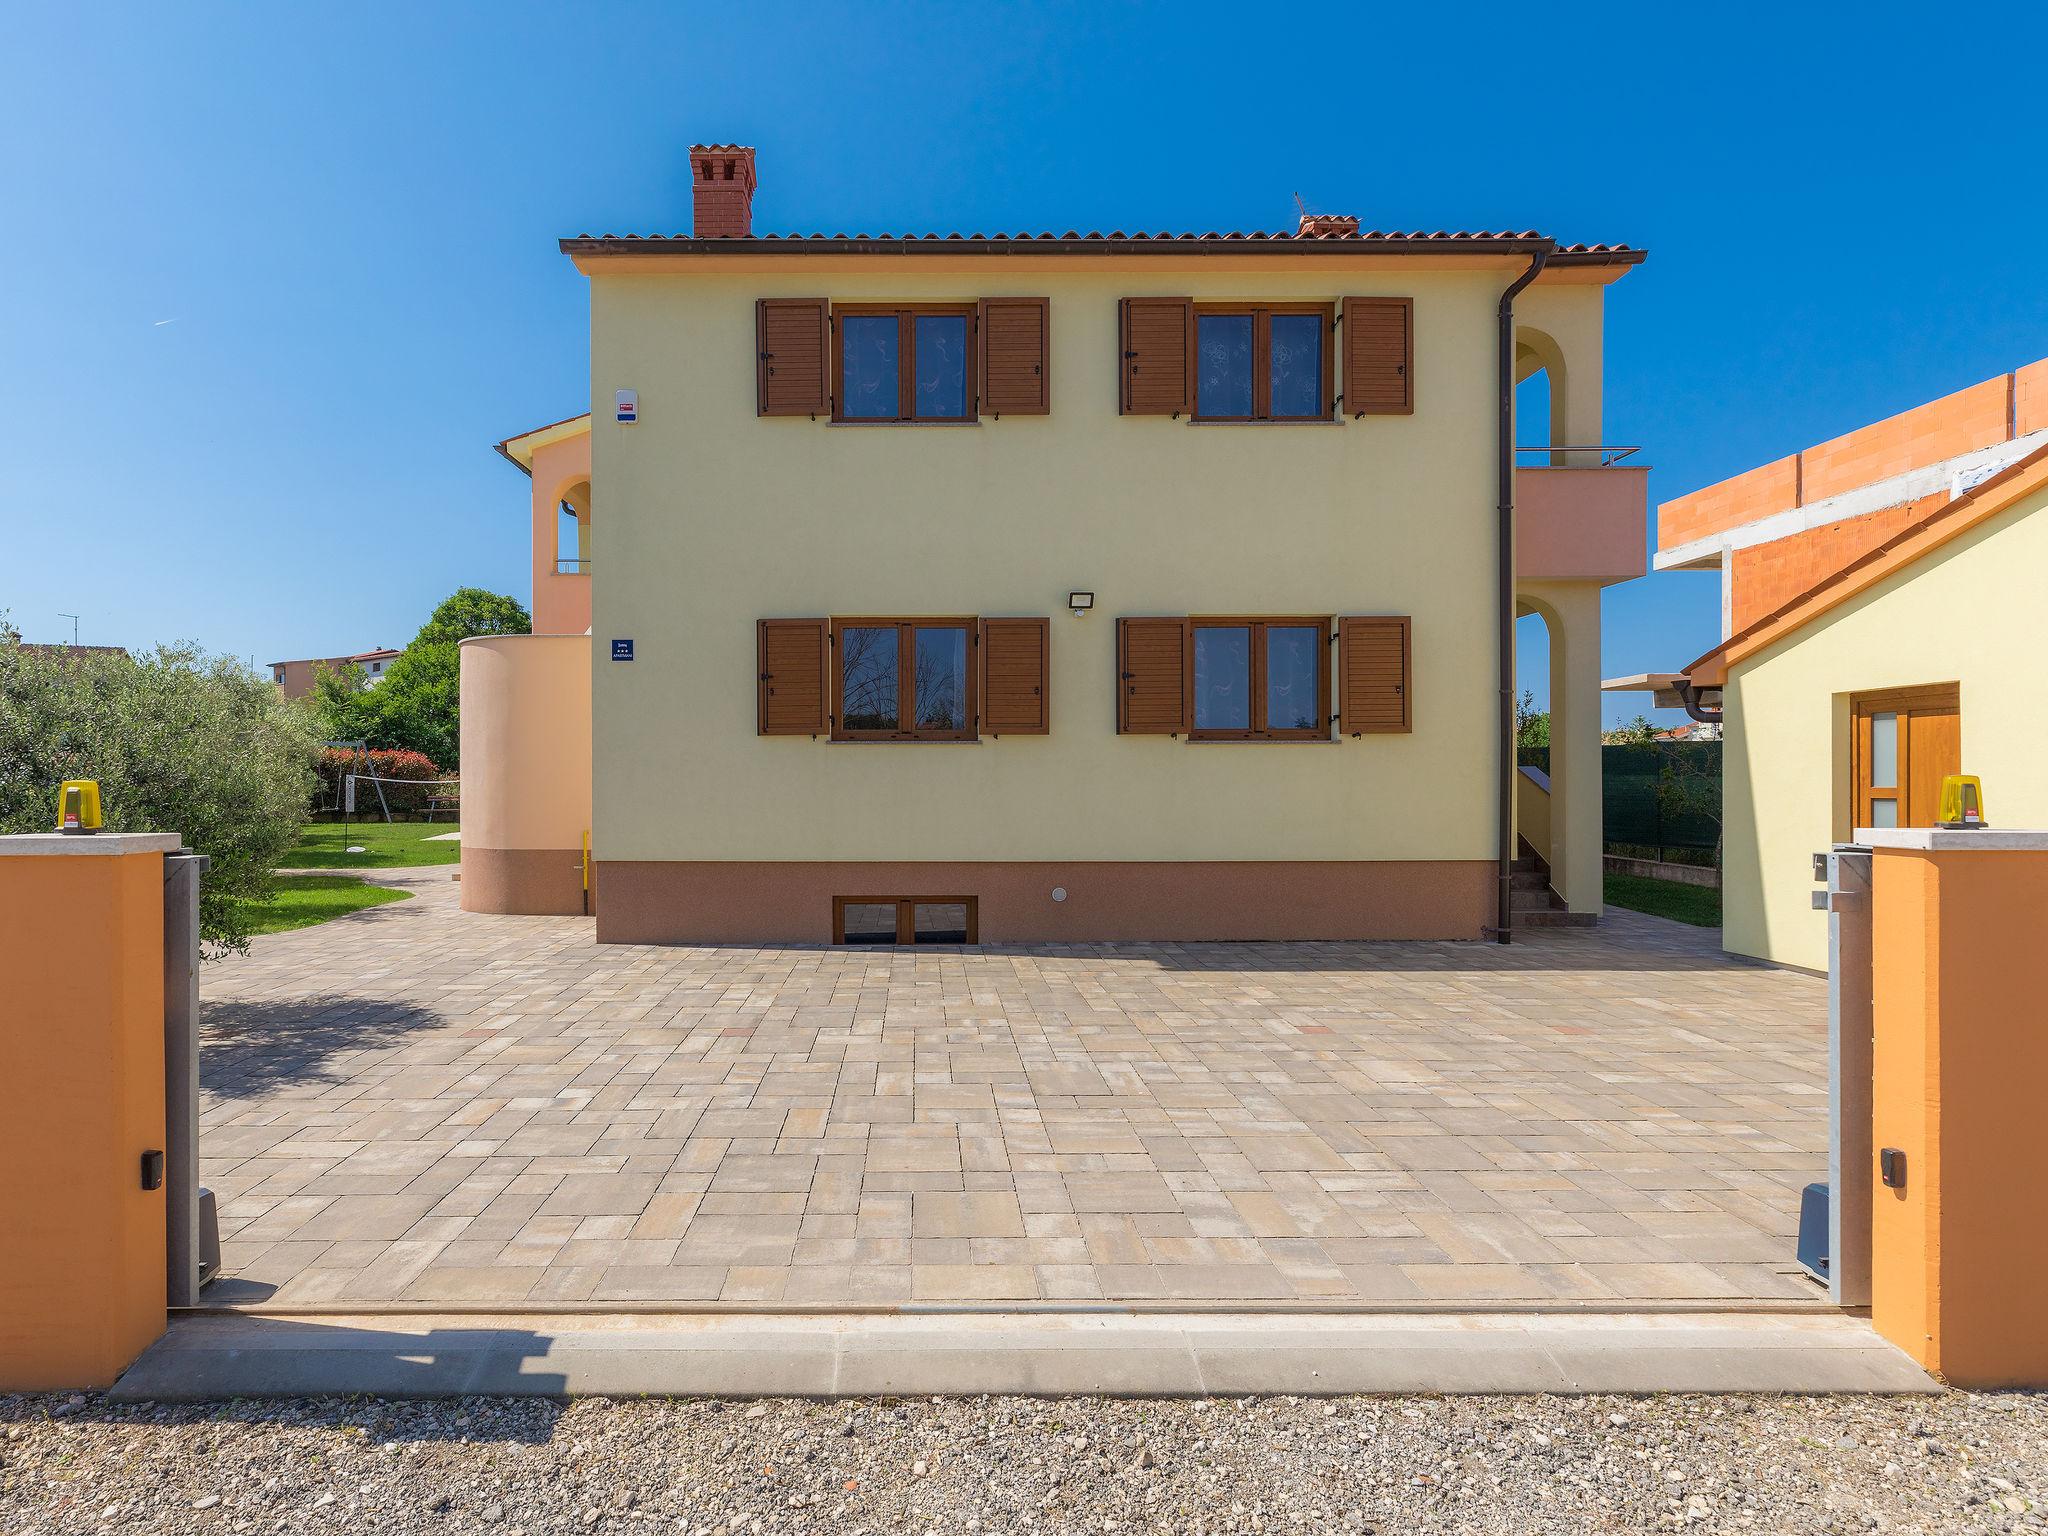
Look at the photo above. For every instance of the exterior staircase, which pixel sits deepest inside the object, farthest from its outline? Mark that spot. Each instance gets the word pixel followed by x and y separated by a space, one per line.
pixel 1535 904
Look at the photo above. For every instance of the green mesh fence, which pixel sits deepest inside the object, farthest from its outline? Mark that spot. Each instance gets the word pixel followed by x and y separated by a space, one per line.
pixel 1633 812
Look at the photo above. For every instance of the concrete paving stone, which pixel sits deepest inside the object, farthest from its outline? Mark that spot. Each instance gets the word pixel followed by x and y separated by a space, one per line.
pixel 1088 1113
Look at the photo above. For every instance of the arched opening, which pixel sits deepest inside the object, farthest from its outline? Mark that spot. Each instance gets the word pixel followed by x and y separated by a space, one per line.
pixel 572 531
pixel 1542 395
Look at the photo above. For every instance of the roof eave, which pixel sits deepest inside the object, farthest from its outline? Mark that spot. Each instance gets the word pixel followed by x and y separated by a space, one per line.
pixel 1183 245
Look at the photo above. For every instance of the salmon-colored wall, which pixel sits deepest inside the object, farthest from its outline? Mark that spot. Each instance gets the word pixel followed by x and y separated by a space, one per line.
pixel 1580 524
pixel 1994 411
pixel 1958 1257
pixel 561 602
pixel 82 1281
pixel 1765 577
pixel 526 758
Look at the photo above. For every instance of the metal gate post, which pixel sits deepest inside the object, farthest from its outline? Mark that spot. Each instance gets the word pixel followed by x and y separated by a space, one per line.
pixel 1847 900
pixel 181 1074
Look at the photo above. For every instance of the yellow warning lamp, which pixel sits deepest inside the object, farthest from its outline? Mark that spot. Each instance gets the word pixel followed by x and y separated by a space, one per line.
pixel 1962 803
pixel 78 806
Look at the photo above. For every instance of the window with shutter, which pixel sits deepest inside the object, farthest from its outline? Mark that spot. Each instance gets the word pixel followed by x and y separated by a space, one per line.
pixel 1379 356
pixel 1152 676
pixel 792 669
pixel 1015 654
pixel 793 348
pixel 1374 655
pixel 1015 350
pixel 1157 363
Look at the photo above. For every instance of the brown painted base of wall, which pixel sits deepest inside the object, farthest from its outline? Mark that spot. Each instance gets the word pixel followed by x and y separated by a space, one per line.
pixel 532 882
pixel 677 902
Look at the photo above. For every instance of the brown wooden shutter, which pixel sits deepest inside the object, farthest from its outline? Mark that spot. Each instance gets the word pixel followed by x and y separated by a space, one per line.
pixel 1374 693
pixel 1015 654
pixel 1152 676
pixel 1379 357
pixel 1158 357
pixel 792 347
pixel 793 672
pixel 1015 356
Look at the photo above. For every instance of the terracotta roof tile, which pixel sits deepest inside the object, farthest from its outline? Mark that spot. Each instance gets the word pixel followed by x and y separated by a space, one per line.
pixel 1605 252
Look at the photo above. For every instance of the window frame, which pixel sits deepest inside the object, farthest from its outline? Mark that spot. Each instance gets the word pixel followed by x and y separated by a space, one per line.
pixel 1258 624
pixel 906 920
pixel 906 364
pixel 1262 359
pixel 906 677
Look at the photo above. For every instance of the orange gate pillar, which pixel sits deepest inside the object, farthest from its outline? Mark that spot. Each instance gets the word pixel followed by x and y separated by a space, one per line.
pixel 82 1282
pixel 1959 1229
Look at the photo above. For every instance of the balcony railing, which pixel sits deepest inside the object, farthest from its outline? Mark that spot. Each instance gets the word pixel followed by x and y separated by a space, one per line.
pixel 1601 456
pixel 571 567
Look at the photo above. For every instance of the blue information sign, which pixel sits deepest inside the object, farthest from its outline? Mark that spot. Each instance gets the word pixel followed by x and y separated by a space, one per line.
pixel 622 650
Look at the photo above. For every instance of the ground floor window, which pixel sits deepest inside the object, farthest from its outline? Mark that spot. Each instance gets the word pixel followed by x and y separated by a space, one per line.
pixel 1260 679
pixel 904 920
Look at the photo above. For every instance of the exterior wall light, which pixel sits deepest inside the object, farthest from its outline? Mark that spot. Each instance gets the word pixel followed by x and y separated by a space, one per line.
pixel 1080 602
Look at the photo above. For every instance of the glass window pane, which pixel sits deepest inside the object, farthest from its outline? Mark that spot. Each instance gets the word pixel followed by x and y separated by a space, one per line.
pixel 939 689
pixel 1884 751
pixel 867 385
pixel 871 922
pixel 1223 678
pixel 1297 377
pixel 941 367
pixel 867 670
pixel 1884 813
pixel 1291 703
pixel 1223 373
pixel 939 922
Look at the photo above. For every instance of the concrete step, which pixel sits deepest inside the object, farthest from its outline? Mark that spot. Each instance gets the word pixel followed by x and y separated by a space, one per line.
pixel 1805 1349
pixel 1530 880
pixel 1554 917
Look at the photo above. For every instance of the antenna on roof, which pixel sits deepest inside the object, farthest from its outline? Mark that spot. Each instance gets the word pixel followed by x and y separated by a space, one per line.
pixel 1300 207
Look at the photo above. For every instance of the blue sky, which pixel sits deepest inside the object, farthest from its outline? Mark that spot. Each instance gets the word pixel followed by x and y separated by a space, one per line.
pixel 273 280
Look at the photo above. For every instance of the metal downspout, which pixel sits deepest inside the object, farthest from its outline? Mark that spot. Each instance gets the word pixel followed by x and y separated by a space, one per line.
pixel 1504 912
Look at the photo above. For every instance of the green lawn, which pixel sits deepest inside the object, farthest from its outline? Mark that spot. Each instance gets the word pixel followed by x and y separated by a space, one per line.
pixel 303 900
pixel 400 843
pixel 1699 905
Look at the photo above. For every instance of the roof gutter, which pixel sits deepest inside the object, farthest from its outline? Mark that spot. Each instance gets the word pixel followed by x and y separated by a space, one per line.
pixel 1503 927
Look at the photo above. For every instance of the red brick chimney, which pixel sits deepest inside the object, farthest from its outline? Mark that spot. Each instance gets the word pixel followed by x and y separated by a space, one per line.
pixel 722 190
pixel 1313 224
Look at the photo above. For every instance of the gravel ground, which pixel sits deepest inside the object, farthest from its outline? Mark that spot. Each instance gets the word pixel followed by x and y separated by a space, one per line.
pixel 1523 1465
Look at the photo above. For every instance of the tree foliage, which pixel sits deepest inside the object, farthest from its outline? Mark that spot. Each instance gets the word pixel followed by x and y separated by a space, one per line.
pixel 1532 725
pixel 179 741
pixel 472 611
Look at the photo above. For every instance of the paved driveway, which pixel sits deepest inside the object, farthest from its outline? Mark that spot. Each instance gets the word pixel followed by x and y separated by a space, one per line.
pixel 416 1104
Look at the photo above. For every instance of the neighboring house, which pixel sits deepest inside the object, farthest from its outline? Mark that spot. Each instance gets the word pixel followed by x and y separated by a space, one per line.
pixel 1052 587
pixel 1883 620
pixel 294 679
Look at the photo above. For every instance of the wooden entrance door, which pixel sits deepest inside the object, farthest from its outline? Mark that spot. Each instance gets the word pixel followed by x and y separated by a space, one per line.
pixel 1907 740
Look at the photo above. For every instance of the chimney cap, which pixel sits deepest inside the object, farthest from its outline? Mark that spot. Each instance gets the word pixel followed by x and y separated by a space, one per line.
pixel 723 162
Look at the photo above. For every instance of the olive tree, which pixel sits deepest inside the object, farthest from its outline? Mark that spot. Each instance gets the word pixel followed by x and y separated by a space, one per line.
pixel 179 741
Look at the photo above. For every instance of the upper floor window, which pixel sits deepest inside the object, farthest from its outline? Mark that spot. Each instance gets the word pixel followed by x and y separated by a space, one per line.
pixel 904 364
pixel 1263 363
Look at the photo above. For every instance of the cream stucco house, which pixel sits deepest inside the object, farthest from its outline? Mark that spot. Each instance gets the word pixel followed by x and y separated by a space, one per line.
pixel 1054 587
pixel 1883 610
